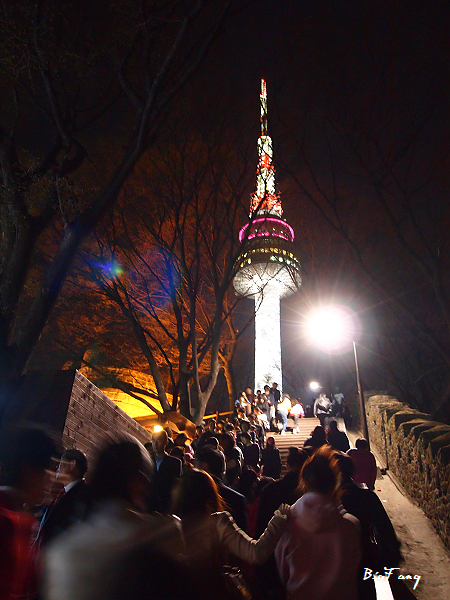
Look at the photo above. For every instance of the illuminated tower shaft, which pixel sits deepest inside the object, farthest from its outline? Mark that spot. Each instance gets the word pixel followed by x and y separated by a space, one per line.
pixel 267 268
pixel 267 337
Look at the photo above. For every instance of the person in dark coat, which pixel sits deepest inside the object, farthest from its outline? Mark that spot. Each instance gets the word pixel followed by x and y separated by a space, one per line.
pixel 250 451
pixel 318 438
pixel 167 470
pixel 212 461
pixel 258 429
pixel 336 438
pixel 275 393
pixel 267 405
pixel 271 459
pixel 71 504
pixel 376 526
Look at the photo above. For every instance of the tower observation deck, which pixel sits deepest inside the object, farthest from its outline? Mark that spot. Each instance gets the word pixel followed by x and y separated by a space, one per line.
pixel 267 268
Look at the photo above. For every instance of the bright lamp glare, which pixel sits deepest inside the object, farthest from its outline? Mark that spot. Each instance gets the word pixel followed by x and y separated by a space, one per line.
pixel 314 385
pixel 331 328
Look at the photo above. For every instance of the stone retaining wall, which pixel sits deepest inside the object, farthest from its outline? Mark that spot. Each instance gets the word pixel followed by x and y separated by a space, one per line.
pixel 92 417
pixel 71 407
pixel 417 450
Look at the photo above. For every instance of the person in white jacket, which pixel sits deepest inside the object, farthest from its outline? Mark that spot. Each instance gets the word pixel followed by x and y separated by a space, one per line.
pixel 213 538
pixel 318 555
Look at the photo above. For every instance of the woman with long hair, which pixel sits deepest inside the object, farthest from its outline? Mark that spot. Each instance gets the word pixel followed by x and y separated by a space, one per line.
pixel 211 534
pixel 318 555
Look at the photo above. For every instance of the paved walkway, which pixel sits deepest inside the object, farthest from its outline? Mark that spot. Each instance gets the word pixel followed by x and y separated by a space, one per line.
pixel 424 553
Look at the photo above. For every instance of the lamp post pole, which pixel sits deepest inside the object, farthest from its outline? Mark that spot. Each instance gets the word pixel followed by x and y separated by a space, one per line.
pixel 361 397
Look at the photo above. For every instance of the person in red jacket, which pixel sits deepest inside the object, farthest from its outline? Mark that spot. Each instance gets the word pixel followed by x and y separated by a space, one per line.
pixel 364 463
pixel 25 460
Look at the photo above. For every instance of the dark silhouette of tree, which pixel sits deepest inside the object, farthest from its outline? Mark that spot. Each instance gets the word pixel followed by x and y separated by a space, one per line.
pixel 72 73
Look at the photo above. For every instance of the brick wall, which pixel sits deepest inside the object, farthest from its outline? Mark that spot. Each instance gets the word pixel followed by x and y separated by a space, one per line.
pixel 70 406
pixel 92 417
pixel 417 450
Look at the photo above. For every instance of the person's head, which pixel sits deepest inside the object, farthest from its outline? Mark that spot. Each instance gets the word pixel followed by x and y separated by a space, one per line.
pixel 229 427
pixel 211 460
pixel 246 439
pixel 346 467
pixel 178 452
pixel 169 432
pixel 362 444
pixel 266 390
pixel 270 442
pixel 258 392
pixel 274 385
pixel 247 483
pixel 72 466
pixel 286 396
pixel 181 439
pixel 319 435
pixel 248 391
pixel 227 442
pixel 244 395
pixel 160 440
pixel 213 441
pixel 321 473
pixel 296 458
pixel 199 430
pixel 333 426
pixel 195 495
pixel 322 395
pixel 245 425
pixel 25 459
pixel 123 472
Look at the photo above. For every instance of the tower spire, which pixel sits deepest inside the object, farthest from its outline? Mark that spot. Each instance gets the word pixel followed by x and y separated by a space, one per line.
pixel 265 200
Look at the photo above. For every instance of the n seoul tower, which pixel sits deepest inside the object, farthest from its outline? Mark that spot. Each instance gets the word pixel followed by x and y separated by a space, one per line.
pixel 267 268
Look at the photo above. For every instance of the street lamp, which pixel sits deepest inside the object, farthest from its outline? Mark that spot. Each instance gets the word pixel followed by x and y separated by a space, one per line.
pixel 332 329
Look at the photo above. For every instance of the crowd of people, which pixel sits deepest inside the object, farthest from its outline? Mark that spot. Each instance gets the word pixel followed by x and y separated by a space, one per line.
pixel 270 408
pixel 273 409
pixel 208 518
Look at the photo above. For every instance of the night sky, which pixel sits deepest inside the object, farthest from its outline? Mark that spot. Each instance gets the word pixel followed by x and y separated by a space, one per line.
pixel 358 99
pixel 345 79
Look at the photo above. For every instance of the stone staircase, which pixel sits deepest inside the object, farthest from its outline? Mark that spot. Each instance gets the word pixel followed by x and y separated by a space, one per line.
pixel 283 442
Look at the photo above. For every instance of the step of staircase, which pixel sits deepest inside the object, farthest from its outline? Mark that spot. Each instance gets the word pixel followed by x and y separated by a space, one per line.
pixel 283 442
